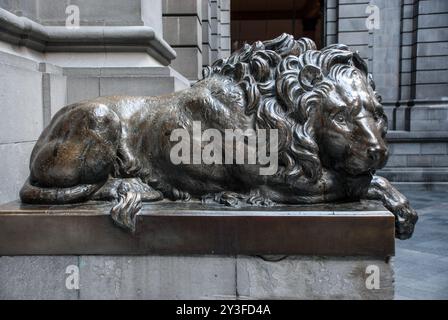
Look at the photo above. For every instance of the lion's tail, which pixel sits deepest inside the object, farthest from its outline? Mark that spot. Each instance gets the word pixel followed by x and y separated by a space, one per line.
pixel 40 195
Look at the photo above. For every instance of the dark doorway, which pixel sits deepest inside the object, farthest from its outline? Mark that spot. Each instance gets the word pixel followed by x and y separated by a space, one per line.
pixel 253 20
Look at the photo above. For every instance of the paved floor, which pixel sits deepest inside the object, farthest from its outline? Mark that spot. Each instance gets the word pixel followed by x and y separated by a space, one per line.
pixel 421 263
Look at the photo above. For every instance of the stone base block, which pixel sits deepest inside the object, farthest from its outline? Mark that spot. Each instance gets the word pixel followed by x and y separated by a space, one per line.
pixel 298 277
pixel 194 277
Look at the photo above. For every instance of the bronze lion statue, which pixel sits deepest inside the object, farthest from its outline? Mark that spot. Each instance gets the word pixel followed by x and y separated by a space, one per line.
pixel 322 104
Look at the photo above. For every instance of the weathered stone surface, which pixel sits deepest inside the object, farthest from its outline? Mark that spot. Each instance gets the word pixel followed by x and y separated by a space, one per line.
pixel 396 161
pixel 311 278
pixel 13 176
pixel 188 62
pixel 183 31
pixel 99 12
pixel 406 148
pixel 184 7
pixel 151 13
pixel 429 125
pixel 21 105
pixel 96 39
pixel 423 175
pixel 147 86
pixel 428 91
pixel 36 277
pixel 435 6
pixel 82 88
pixel 206 55
pixel 87 83
pixel 427 49
pixel 25 8
pixel 434 148
pixel 157 277
pixel 54 90
pixel 191 277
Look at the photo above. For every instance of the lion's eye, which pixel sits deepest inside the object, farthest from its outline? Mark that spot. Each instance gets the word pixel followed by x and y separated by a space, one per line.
pixel 340 117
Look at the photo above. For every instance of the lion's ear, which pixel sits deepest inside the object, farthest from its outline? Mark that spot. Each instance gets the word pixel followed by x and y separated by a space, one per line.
pixel 309 76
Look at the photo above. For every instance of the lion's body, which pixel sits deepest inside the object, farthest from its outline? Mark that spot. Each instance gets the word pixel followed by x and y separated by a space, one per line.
pixel 322 104
pixel 129 137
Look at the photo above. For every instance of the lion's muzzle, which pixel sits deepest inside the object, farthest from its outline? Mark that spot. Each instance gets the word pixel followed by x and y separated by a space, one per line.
pixel 378 155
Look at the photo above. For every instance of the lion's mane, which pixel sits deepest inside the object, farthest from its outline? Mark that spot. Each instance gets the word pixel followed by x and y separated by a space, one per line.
pixel 269 74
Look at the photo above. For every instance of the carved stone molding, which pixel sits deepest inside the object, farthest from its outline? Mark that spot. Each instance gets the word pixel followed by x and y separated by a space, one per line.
pixel 25 32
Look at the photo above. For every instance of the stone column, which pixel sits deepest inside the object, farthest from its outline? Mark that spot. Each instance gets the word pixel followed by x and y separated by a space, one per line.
pixel 352 28
pixel 199 30
pixel 182 24
pixel 224 28
pixel 206 33
pixel 219 20
pixel 214 36
pixel 331 22
pixel 408 48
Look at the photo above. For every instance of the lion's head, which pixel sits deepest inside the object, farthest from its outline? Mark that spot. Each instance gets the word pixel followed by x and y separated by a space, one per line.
pixel 322 102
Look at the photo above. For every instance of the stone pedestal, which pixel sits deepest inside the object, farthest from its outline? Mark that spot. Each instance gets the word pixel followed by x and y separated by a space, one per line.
pixel 192 251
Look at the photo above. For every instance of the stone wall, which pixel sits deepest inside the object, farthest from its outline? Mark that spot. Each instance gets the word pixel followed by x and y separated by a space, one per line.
pixel 21 122
pixel 199 30
pixel 92 13
pixel 428 43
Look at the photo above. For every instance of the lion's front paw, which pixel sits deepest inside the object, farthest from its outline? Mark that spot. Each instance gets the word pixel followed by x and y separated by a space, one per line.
pixel 405 220
pixel 227 198
pixel 258 200
pixel 128 206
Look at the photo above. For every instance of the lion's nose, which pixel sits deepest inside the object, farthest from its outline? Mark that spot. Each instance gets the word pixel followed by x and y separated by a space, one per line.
pixel 377 153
